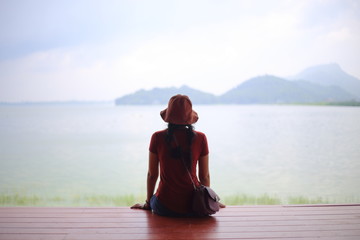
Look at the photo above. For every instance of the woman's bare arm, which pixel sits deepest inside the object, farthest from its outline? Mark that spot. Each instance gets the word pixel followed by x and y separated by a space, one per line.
pixel 153 174
pixel 204 174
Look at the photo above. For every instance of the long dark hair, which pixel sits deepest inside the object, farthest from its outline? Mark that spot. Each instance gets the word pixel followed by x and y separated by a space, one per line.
pixel 175 150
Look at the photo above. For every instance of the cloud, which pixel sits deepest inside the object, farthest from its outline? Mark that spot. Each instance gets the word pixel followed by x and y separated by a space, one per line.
pixel 206 56
pixel 213 56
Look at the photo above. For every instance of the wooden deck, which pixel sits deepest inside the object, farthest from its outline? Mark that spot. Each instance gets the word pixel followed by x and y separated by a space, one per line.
pixel 235 222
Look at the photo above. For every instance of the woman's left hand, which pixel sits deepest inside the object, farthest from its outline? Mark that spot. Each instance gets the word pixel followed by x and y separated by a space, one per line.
pixel 144 206
pixel 222 205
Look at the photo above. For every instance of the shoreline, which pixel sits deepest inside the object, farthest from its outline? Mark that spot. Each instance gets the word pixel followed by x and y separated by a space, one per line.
pixel 24 200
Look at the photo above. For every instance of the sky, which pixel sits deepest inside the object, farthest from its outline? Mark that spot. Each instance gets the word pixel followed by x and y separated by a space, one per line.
pixel 52 50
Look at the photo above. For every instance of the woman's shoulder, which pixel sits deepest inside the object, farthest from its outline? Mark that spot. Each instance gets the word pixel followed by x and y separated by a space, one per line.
pixel 200 134
pixel 164 132
pixel 160 132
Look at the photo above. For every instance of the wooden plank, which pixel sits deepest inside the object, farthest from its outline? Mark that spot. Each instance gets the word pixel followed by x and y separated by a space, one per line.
pixel 219 224
pixel 121 212
pixel 50 237
pixel 129 212
pixel 261 208
pixel 179 229
pixel 234 222
pixel 218 219
pixel 196 235
pixel 140 213
pixel 32 237
pixel 234 225
pixel 186 234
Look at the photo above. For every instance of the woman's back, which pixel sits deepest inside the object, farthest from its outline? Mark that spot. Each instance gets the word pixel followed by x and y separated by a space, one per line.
pixel 175 187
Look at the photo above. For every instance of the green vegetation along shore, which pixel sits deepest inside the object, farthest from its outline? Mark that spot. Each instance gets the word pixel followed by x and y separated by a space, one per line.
pixel 345 104
pixel 128 200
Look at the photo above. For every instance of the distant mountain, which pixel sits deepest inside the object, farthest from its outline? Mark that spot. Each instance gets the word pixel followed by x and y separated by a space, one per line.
pixel 162 96
pixel 330 75
pixel 271 89
pixel 319 84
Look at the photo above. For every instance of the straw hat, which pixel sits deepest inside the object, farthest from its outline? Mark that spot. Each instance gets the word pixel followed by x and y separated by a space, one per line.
pixel 179 111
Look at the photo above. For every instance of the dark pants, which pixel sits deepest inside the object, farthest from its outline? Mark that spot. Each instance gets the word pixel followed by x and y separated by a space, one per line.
pixel 161 210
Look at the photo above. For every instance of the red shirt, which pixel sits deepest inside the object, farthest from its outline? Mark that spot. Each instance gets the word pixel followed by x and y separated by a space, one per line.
pixel 175 186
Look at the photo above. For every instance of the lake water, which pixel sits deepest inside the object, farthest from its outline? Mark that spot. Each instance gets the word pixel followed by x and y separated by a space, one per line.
pixel 62 150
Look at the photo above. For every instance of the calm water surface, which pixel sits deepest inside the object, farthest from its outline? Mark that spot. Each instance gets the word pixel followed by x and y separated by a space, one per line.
pixel 62 150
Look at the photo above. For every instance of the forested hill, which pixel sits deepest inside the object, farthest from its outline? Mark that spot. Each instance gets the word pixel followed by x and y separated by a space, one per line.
pixel 162 96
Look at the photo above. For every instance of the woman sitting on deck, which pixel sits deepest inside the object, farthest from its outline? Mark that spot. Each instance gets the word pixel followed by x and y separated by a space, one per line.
pixel 176 148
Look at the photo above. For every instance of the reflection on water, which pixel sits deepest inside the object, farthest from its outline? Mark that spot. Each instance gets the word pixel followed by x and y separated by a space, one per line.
pixel 102 149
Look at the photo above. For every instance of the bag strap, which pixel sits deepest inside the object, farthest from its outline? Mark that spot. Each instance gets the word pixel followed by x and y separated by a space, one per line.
pixel 183 161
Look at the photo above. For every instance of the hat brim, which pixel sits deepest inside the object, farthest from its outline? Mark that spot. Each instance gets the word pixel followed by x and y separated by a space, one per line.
pixel 179 121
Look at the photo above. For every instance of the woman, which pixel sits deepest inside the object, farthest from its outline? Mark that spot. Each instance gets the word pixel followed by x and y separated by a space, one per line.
pixel 177 150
